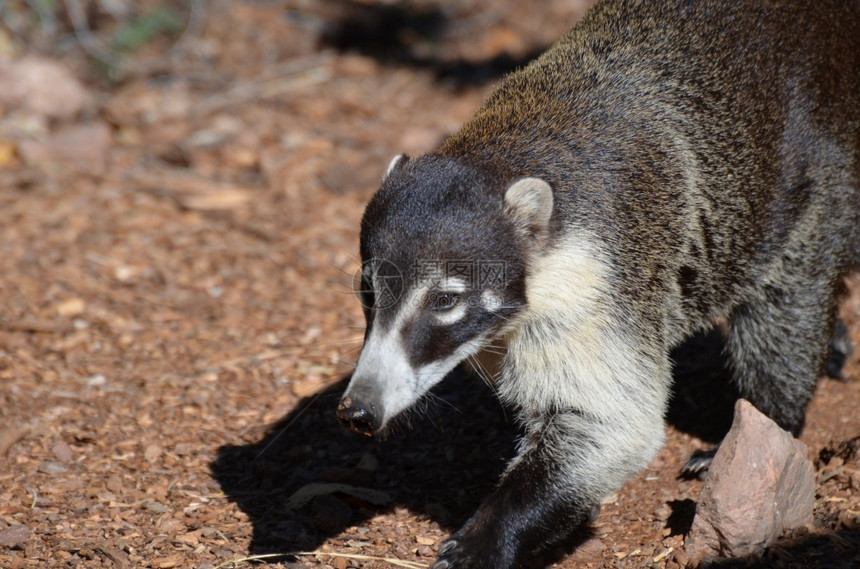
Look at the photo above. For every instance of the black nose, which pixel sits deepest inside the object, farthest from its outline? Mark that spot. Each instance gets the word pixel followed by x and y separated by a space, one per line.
pixel 357 416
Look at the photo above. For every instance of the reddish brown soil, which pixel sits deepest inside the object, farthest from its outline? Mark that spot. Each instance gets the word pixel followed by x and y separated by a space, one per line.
pixel 175 329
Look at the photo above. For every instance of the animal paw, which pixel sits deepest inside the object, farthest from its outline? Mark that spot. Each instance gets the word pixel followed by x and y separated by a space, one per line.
pixel 452 555
pixel 698 463
pixel 448 549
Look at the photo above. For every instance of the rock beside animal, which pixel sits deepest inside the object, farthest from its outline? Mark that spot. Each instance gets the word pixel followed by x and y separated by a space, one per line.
pixel 760 483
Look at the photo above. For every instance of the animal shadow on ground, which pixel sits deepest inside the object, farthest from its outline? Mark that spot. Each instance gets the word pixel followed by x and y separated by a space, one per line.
pixel 389 33
pixel 439 463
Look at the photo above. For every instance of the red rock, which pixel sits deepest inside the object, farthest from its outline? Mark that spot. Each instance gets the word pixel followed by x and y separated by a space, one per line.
pixel 760 483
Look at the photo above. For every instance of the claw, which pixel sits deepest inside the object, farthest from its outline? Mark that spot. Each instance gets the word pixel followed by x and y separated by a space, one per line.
pixel 441 564
pixel 698 463
pixel 840 351
pixel 447 547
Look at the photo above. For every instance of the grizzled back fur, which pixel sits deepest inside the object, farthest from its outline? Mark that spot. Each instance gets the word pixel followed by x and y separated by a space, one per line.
pixel 645 104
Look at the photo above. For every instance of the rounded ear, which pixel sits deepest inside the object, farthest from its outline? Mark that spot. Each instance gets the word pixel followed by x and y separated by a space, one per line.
pixel 396 163
pixel 528 204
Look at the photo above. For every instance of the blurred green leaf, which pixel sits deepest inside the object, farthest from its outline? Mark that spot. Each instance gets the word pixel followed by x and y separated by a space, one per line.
pixel 45 5
pixel 136 33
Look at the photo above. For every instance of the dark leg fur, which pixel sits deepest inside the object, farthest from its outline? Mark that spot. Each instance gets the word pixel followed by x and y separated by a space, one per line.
pixel 529 509
pixel 524 514
pixel 840 351
pixel 779 342
pixel 788 414
pixel 548 491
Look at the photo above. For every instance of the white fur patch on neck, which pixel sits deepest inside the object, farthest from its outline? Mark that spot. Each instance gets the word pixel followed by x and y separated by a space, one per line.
pixel 572 348
pixel 579 368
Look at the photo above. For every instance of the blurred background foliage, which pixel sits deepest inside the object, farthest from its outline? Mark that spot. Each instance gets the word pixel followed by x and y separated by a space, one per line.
pixel 110 31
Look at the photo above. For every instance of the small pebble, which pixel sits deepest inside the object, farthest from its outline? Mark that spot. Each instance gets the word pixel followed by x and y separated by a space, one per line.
pixel 14 536
pixel 680 557
pixel 96 380
pixel 591 546
pixel 114 484
pixel 52 467
pixel 62 451
pixel 663 512
pixel 154 506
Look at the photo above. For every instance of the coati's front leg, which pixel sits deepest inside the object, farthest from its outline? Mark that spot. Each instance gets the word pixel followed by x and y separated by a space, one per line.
pixel 594 433
pixel 537 502
pixel 568 462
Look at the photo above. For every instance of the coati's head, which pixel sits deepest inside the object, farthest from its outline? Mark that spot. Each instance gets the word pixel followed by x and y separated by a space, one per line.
pixel 444 249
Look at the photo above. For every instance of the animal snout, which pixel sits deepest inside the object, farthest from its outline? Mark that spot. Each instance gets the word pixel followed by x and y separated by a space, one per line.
pixel 358 416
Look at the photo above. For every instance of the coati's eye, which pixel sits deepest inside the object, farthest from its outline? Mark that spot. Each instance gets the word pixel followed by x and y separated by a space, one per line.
pixel 441 301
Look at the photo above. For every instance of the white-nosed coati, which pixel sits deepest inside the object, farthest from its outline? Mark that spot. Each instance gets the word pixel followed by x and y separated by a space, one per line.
pixel 665 165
